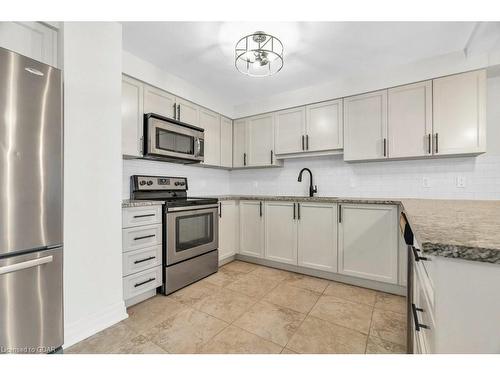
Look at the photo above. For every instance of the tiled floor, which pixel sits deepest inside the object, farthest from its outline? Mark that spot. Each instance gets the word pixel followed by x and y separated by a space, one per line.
pixel 246 308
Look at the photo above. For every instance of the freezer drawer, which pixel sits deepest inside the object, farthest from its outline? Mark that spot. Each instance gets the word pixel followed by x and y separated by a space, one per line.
pixel 31 306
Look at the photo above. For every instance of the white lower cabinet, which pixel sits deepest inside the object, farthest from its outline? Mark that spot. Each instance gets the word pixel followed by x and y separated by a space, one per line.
pixel 317 236
pixel 252 228
pixel 228 229
pixel 281 232
pixel 368 242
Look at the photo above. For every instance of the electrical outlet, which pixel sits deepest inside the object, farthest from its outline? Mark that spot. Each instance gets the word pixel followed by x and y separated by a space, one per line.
pixel 460 182
pixel 426 182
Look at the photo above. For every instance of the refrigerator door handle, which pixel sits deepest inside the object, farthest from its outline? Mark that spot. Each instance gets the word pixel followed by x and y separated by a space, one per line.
pixel 24 265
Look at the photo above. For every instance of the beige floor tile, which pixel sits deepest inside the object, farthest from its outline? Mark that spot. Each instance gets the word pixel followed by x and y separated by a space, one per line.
pixel 185 332
pixel 316 336
pixel 376 345
pixel 271 322
pixel 390 302
pixel 389 326
pixel 351 293
pixel 153 311
pixel 239 266
pixel 297 299
pixel 339 311
pixel 254 286
pixel 141 345
pixel 224 277
pixel 225 304
pixel 194 292
pixel 271 273
pixel 233 340
pixel 313 284
pixel 288 351
pixel 112 340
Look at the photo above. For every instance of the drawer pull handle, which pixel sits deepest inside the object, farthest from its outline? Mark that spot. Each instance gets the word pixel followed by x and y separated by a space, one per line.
pixel 143 260
pixel 418 325
pixel 144 282
pixel 146 215
pixel 418 258
pixel 143 237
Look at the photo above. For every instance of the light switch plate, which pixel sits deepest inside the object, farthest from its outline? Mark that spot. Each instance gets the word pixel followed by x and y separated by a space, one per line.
pixel 460 182
pixel 426 182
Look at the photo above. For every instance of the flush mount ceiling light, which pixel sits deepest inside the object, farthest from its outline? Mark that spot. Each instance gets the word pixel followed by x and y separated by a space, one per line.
pixel 259 55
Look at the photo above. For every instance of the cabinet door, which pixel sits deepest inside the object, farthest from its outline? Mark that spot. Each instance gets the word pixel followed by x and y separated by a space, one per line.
pixel 210 122
pixel 324 126
pixel 158 101
pixel 188 112
pixel 368 242
pixel 260 140
pixel 252 228
pixel 228 229
pixel 239 144
pixel 226 142
pixel 281 232
pixel 410 120
pixel 317 236
pixel 32 39
pixel 459 109
pixel 132 117
pixel 365 126
pixel 289 130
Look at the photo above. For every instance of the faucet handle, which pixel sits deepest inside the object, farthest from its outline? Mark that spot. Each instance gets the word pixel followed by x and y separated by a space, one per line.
pixel 315 188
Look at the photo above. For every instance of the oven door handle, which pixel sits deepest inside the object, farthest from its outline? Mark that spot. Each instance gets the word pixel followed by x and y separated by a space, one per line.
pixel 192 208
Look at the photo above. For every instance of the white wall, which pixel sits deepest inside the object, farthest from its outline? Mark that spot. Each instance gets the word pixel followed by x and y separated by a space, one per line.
pixel 92 61
pixel 201 181
pixel 145 71
pixel 390 179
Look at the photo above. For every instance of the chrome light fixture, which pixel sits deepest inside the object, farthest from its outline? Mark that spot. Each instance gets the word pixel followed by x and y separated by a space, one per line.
pixel 259 55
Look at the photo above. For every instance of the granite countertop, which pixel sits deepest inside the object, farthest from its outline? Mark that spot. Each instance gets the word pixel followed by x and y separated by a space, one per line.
pixel 139 203
pixel 293 198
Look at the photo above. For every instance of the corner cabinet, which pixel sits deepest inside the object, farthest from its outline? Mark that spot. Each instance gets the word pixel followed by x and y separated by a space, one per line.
pixel 210 122
pixel 252 228
pixel 368 242
pixel 228 229
pixel 239 143
pixel 226 142
pixel 132 116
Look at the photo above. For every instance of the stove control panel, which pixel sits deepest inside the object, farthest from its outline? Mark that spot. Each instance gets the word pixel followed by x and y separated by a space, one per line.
pixel 159 183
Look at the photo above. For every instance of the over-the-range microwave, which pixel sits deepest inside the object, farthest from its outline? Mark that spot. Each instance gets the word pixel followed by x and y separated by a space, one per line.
pixel 171 140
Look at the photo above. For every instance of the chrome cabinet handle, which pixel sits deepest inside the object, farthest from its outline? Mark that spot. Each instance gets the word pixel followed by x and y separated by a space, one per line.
pixel 144 282
pixel 143 260
pixel 24 265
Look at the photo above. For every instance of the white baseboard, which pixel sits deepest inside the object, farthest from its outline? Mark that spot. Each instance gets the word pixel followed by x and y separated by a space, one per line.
pixel 91 324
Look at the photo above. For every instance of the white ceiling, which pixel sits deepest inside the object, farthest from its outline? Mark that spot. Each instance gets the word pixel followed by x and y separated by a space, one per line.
pixel 202 53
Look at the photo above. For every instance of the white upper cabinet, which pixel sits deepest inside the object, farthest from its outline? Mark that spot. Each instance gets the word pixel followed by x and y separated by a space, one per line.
pixel 260 140
pixel 159 102
pixel 289 130
pixel 35 40
pixel 281 232
pixel 460 113
pixel 210 122
pixel 226 142
pixel 239 143
pixel 252 228
pixel 317 236
pixel 132 117
pixel 368 242
pixel 365 126
pixel 324 126
pixel 410 120
pixel 188 112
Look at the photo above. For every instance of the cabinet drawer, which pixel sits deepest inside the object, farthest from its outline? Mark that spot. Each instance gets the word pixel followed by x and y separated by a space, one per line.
pixel 136 216
pixel 140 260
pixel 141 282
pixel 141 237
pixel 422 270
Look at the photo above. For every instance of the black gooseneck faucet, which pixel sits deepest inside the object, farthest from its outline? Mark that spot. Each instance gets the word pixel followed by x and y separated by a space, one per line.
pixel 312 189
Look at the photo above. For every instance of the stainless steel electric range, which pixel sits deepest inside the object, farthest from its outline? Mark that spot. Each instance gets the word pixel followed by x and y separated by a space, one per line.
pixel 190 229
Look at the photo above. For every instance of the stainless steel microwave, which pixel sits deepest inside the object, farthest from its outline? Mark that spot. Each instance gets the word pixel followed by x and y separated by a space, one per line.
pixel 171 140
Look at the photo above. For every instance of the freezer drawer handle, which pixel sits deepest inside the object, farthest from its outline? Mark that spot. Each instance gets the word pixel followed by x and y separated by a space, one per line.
pixel 139 216
pixel 144 282
pixel 418 325
pixel 143 260
pixel 27 264
pixel 418 258
pixel 143 237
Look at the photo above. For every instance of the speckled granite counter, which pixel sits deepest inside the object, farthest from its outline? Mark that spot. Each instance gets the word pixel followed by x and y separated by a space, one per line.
pixel 292 198
pixel 463 229
pixel 139 203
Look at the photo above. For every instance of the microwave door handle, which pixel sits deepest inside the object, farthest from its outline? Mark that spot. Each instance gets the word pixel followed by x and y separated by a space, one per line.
pixel 198 148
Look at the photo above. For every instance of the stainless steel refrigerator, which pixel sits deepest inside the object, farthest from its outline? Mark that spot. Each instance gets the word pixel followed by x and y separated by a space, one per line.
pixel 31 253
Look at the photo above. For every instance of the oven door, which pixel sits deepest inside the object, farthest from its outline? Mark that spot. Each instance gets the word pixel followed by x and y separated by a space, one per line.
pixel 173 141
pixel 191 232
